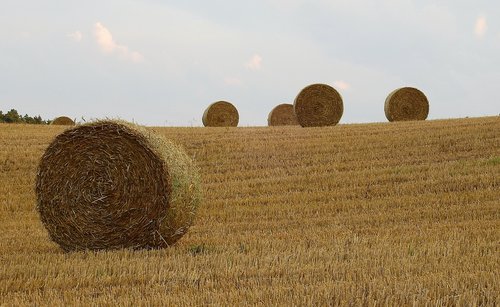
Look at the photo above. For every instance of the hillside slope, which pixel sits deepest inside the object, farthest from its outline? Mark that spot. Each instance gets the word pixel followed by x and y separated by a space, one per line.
pixel 400 213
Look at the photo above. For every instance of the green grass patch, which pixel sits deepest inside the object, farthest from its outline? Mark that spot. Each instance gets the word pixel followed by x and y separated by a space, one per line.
pixel 198 249
pixel 493 161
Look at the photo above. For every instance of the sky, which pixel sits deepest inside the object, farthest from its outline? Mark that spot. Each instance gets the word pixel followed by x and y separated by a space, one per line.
pixel 161 63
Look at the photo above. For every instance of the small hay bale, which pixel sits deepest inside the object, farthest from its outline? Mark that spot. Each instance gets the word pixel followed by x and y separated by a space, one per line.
pixel 112 184
pixel 282 115
pixel 63 121
pixel 318 105
pixel 221 114
pixel 406 103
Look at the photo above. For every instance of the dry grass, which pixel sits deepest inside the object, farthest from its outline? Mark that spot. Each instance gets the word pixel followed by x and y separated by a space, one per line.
pixel 389 214
pixel 112 184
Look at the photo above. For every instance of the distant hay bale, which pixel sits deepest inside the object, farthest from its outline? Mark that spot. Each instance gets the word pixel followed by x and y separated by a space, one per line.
pixel 406 103
pixel 221 114
pixel 63 121
pixel 111 184
pixel 318 105
pixel 282 115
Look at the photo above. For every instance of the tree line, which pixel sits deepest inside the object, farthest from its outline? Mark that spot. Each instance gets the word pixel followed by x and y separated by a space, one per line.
pixel 13 117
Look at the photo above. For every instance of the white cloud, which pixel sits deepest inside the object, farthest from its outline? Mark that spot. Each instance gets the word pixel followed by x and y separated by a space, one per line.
pixel 481 27
pixel 255 63
pixel 76 36
pixel 108 45
pixel 104 38
pixel 342 85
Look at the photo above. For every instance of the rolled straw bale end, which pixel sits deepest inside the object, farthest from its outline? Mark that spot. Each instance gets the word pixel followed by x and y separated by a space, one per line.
pixel 221 114
pixel 63 121
pixel 318 105
pixel 282 115
pixel 112 184
pixel 405 104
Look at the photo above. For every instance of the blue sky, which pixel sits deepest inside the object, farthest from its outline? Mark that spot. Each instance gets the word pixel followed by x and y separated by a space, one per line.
pixel 163 62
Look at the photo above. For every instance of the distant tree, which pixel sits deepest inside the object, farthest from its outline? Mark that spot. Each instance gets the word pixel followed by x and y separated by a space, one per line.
pixel 38 120
pixel 13 117
pixel 28 119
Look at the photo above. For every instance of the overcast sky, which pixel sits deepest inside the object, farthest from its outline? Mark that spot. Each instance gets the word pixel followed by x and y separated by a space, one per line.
pixel 163 62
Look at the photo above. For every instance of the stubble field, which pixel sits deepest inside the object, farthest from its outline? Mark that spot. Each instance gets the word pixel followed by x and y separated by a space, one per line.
pixel 369 214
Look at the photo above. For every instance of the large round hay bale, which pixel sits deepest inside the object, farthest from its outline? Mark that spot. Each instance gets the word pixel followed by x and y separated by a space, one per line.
pixel 63 121
pixel 221 114
pixel 111 184
pixel 318 105
pixel 282 115
pixel 406 103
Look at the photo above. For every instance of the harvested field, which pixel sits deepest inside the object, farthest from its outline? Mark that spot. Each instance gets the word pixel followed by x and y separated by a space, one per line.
pixel 401 213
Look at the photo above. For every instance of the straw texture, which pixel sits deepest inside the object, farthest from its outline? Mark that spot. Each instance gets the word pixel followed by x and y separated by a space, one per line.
pixel 63 121
pixel 406 103
pixel 282 115
pixel 111 184
pixel 318 105
pixel 221 114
